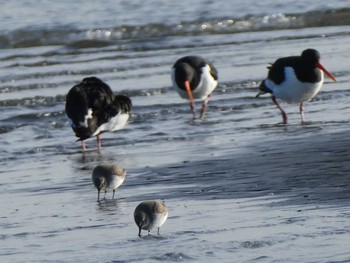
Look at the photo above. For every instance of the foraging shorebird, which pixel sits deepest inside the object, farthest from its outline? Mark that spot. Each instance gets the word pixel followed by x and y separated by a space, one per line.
pixel 150 214
pixel 107 176
pixel 295 79
pixel 92 109
pixel 193 78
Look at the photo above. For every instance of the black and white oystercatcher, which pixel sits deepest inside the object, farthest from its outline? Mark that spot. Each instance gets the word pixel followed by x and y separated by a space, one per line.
pixel 193 78
pixel 295 79
pixel 92 109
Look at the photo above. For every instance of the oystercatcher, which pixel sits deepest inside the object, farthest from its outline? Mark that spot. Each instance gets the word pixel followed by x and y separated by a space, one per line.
pixel 150 214
pixel 193 78
pixel 107 176
pixel 92 109
pixel 295 79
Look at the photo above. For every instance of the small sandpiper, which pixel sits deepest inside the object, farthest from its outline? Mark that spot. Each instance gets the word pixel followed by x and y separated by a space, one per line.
pixel 150 214
pixel 107 176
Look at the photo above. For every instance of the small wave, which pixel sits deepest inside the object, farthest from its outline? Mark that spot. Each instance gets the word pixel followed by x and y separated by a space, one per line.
pixel 34 101
pixel 6 129
pixel 256 244
pixel 173 257
pixel 102 37
pixel 47 101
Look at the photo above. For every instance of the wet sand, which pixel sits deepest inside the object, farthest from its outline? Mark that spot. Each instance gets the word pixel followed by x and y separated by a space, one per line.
pixel 310 169
pixel 239 186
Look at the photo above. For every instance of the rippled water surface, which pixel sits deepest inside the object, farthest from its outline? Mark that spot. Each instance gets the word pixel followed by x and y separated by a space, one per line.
pixel 240 186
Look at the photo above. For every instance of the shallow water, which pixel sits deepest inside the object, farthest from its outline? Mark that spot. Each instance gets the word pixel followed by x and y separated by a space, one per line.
pixel 240 187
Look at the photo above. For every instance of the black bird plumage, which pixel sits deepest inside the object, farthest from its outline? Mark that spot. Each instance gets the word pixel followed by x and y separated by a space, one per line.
pixel 294 79
pixel 92 104
pixel 193 78
pixel 195 63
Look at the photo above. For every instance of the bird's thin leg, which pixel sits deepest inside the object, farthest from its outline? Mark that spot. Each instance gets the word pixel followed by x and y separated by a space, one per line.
pixel 204 106
pixel 98 195
pixel 301 110
pixel 284 115
pixel 149 232
pixel 99 142
pixel 113 194
pixel 105 195
pixel 83 146
pixel 139 232
pixel 189 92
pixel 158 230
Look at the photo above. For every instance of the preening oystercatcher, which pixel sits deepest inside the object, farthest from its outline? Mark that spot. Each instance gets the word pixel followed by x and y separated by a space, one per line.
pixel 92 109
pixel 193 78
pixel 150 214
pixel 295 79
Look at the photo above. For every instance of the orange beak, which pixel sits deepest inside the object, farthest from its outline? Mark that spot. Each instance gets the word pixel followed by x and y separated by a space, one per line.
pixel 189 92
pixel 325 71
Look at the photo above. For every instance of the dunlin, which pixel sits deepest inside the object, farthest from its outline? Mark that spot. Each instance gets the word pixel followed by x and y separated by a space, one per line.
pixel 107 176
pixel 150 214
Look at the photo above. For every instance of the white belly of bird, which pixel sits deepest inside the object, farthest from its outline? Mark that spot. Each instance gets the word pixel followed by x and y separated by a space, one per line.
pixel 158 221
pixel 114 124
pixel 292 90
pixel 206 85
pixel 117 181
